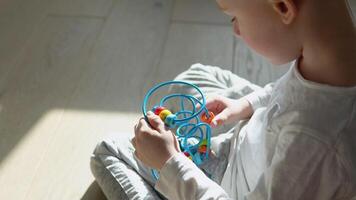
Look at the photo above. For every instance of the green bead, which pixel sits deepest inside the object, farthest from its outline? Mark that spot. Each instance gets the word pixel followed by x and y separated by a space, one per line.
pixel 203 142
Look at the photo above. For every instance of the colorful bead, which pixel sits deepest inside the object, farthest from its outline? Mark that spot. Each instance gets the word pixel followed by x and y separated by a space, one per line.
pixel 204 142
pixel 202 149
pixel 207 119
pixel 157 109
pixel 188 155
pixel 170 120
pixel 164 113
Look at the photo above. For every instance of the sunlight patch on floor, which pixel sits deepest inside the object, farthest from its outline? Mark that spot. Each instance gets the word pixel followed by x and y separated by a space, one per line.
pixel 52 121
pixel 60 141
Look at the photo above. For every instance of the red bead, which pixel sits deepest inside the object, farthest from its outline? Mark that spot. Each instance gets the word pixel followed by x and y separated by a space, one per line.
pixel 207 119
pixel 157 110
pixel 188 155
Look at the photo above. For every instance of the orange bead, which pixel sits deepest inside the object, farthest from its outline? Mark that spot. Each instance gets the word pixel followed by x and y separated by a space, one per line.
pixel 202 149
pixel 207 119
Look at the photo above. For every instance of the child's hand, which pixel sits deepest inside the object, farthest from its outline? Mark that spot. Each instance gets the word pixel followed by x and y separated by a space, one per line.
pixel 227 110
pixel 154 145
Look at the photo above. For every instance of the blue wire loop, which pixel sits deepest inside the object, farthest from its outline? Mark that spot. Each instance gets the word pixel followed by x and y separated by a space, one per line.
pixel 189 131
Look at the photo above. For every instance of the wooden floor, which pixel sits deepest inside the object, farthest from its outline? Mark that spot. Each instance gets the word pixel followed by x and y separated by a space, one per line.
pixel 72 71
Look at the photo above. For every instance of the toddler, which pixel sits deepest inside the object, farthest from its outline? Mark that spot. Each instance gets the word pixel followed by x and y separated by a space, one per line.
pixel 294 139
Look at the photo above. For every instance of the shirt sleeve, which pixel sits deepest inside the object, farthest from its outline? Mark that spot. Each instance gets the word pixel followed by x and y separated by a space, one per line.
pixel 261 97
pixel 181 179
pixel 302 168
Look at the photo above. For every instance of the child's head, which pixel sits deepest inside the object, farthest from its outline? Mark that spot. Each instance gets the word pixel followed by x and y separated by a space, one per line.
pixel 274 28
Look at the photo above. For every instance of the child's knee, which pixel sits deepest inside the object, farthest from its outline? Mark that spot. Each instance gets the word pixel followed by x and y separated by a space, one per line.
pixel 191 72
pixel 105 147
pixel 197 66
pixel 112 144
pixel 107 151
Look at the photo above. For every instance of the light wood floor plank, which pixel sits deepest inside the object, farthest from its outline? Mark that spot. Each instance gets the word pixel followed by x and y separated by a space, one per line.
pixel 46 78
pixel 188 44
pixel 129 46
pixel 98 8
pixel 200 11
pixel 18 20
pixel 66 163
pixel 127 51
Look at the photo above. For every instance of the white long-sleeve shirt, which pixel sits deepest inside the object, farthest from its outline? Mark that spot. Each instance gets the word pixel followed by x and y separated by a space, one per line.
pixel 300 143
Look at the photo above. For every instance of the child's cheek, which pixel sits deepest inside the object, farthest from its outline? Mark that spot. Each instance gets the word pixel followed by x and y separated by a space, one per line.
pixel 256 44
pixel 250 39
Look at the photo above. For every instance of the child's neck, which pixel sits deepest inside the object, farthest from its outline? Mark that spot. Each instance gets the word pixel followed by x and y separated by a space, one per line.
pixel 329 52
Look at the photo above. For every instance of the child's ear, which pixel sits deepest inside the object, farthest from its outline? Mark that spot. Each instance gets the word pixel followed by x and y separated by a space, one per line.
pixel 286 9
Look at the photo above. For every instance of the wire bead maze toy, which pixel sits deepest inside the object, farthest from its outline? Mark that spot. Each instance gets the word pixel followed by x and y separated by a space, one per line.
pixel 187 123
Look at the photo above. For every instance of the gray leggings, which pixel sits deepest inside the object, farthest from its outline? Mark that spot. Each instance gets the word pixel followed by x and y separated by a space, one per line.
pixel 122 176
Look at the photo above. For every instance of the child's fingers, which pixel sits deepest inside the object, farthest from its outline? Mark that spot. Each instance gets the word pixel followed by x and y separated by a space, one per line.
pixel 142 127
pixel 212 153
pixel 133 142
pixel 209 102
pixel 219 119
pixel 215 104
pixel 155 122
pixel 207 99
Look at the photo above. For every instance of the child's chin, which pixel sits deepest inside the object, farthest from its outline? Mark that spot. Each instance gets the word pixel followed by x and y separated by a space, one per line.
pixel 280 61
pixel 277 62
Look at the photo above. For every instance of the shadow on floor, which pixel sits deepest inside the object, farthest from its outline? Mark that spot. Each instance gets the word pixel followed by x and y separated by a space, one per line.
pixel 93 193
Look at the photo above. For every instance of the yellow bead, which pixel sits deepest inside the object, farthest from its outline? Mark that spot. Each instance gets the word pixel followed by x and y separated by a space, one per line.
pixel 164 114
